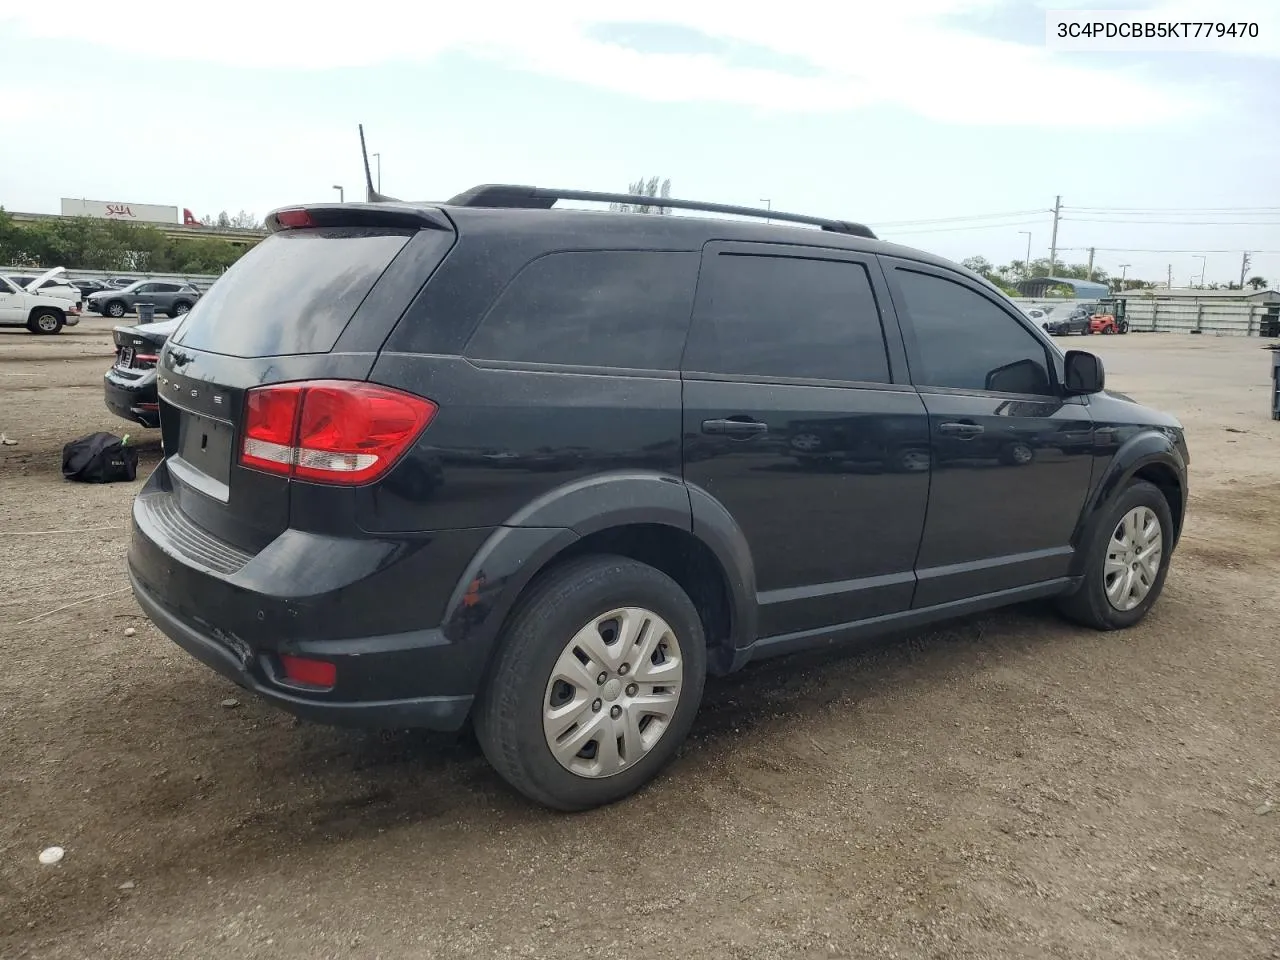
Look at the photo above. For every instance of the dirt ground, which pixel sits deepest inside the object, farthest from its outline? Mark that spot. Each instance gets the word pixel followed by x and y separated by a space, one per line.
pixel 1008 786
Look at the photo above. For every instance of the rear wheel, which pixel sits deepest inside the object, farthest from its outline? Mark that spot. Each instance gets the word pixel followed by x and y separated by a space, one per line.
pixel 45 322
pixel 1126 557
pixel 596 684
pixel 180 308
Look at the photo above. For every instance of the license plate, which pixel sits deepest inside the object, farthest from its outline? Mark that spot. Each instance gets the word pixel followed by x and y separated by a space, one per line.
pixel 125 360
pixel 206 445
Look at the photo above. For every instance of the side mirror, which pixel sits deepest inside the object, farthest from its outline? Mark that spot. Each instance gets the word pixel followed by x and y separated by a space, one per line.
pixel 1084 372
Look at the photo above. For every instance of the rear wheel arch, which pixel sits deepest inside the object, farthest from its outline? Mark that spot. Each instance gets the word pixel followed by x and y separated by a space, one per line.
pixel 647 518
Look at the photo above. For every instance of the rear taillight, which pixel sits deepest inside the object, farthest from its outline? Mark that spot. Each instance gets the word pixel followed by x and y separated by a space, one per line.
pixel 330 431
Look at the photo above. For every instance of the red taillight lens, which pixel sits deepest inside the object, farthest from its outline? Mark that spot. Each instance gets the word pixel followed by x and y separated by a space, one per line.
pixel 331 431
pixel 294 219
pixel 311 673
pixel 270 425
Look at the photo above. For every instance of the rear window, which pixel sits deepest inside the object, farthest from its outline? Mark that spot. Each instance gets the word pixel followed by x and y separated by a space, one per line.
pixel 293 293
pixel 596 308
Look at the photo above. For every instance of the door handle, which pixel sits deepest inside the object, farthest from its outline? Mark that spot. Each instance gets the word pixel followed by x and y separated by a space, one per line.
pixel 960 428
pixel 735 427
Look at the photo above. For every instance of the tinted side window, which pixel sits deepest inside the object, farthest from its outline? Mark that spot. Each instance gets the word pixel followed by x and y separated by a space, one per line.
pixel 167 288
pixel 598 308
pixel 967 342
pixel 787 317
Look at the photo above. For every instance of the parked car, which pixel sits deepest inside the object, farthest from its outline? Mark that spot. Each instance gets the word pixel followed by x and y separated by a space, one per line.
pixel 298 539
pixel 130 385
pixel 38 312
pixel 119 283
pixel 171 299
pixel 48 284
pixel 1076 320
pixel 87 287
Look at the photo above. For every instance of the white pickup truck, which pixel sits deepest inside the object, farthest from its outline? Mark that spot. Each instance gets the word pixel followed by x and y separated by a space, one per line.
pixel 38 312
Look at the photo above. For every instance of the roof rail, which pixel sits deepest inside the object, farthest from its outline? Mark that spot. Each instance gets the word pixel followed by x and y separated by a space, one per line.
pixel 539 198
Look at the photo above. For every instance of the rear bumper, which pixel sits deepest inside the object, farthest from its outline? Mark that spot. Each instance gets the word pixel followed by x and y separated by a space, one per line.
pixel 429 712
pixel 129 398
pixel 370 606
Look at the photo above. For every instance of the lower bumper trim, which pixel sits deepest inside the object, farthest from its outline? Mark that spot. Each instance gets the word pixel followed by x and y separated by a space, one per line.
pixel 445 713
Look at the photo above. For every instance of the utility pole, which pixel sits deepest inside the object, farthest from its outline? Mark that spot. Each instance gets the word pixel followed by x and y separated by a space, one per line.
pixel 1169 285
pixel 1026 266
pixel 1244 267
pixel 1053 242
pixel 1090 277
pixel 1124 269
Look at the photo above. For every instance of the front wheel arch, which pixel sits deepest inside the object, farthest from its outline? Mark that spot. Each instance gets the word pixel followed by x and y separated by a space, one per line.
pixel 1150 456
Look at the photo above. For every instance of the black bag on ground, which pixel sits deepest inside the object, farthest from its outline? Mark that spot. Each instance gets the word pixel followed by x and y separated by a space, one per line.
pixel 99 458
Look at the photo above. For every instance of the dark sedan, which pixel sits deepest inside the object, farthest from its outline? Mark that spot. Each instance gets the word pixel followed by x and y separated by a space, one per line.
pixel 171 299
pixel 1062 324
pixel 130 384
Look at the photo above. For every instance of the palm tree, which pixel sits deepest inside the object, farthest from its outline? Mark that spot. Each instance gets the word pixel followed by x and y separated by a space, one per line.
pixel 1256 282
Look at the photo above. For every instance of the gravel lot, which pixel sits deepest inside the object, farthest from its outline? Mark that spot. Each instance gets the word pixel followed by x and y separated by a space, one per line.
pixel 1008 786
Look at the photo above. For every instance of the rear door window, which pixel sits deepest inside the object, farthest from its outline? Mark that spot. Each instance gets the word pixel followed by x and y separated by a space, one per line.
pixel 593 308
pixel 293 293
pixel 787 317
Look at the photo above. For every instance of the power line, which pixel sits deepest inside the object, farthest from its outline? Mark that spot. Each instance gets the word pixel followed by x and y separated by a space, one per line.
pixel 980 226
pixel 1151 250
pixel 1183 223
pixel 1177 209
pixel 976 216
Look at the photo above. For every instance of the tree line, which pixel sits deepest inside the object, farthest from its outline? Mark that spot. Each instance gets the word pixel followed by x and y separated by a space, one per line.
pixel 87 243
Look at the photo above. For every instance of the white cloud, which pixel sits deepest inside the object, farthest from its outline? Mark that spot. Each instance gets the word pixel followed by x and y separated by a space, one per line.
pixel 859 53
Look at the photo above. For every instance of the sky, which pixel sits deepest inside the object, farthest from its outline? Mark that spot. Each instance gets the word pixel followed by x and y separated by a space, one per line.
pixel 948 125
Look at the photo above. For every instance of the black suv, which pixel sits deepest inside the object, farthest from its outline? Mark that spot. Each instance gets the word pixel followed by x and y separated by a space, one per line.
pixel 543 470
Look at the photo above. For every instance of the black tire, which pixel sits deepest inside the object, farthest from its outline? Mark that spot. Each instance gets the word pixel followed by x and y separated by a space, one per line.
pixel 46 321
pixel 180 308
pixel 508 714
pixel 116 309
pixel 1089 605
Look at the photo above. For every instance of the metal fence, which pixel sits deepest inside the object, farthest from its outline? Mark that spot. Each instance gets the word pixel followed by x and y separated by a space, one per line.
pixel 201 281
pixel 1154 315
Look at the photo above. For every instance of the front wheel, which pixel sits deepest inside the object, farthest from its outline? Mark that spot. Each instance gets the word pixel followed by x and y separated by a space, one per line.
pixel 45 322
pixel 1126 559
pixel 116 309
pixel 596 684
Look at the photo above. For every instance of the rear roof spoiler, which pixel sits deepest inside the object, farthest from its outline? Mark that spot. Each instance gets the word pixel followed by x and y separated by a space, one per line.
pixel 396 215
pixel 508 195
